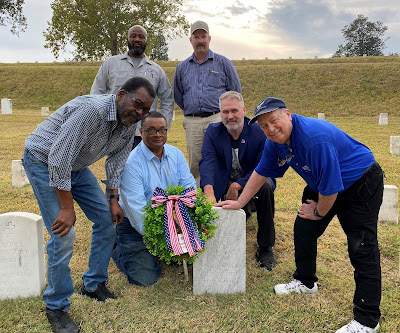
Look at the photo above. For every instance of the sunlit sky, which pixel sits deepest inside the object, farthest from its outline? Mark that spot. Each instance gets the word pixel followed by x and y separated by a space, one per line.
pixel 239 29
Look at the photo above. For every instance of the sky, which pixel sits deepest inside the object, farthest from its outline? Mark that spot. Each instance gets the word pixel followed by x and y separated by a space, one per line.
pixel 277 29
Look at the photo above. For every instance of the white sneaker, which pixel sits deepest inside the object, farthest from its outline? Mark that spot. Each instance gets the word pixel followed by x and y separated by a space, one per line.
pixel 295 286
pixel 355 327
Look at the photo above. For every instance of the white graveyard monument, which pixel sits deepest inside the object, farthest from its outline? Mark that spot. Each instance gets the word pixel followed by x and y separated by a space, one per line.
pixel 45 111
pixel 389 211
pixel 395 145
pixel 321 116
pixel 221 268
pixel 22 268
pixel 383 119
pixel 6 106
pixel 19 178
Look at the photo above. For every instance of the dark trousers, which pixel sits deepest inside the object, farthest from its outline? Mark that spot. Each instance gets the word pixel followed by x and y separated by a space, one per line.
pixel 357 209
pixel 264 205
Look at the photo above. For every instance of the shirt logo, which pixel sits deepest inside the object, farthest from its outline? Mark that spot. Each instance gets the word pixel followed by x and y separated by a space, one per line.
pixel 306 168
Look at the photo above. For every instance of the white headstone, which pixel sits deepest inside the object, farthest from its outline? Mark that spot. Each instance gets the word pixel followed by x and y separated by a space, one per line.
pixel 383 119
pixel 395 145
pixel 45 111
pixel 221 268
pixel 389 211
pixel 22 269
pixel 19 177
pixel 6 106
pixel 321 116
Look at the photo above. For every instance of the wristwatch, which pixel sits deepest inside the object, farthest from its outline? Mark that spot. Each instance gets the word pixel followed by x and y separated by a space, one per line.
pixel 316 214
pixel 114 196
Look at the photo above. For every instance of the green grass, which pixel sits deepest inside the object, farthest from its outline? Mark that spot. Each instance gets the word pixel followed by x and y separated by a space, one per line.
pixel 170 305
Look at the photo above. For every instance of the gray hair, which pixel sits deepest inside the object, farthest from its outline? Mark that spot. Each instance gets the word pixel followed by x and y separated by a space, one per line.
pixel 231 94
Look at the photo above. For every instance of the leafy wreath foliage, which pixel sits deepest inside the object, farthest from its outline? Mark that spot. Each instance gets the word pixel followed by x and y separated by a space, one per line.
pixel 154 234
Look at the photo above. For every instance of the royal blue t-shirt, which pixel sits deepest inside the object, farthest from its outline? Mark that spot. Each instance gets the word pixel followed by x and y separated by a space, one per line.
pixel 328 159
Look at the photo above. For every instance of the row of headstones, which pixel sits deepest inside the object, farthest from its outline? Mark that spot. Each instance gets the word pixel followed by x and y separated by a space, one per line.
pixel 220 269
pixel 6 107
pixel 383 120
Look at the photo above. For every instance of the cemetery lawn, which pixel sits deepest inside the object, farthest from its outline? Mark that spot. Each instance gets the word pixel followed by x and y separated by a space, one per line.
pixel 351 92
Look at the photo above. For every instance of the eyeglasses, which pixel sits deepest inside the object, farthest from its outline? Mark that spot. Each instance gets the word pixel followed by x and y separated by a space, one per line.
pixel 153 131
pixel 137 104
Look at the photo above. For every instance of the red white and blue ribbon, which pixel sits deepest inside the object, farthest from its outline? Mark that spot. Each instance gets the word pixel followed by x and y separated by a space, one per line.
pixel 191 237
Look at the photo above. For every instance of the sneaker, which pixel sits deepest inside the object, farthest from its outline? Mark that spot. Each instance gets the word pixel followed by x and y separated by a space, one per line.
pixel 101 293
pixel 295 286
pixel 266 258
pixel 355 327
pixel 61 322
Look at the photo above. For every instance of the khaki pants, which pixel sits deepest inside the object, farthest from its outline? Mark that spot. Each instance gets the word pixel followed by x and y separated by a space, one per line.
pixel 194 129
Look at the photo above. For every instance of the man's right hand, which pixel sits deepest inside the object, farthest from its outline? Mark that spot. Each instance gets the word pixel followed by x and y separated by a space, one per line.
pixel 229 204
pixel 65 220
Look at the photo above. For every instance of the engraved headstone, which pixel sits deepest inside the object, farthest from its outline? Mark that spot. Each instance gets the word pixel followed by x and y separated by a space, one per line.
pixel 45 111
pixel 383 119
pixel 221 268
pixel 22 269
pixel 6 106
pixel 321 116
pixel 389 211
pixel 19 177
pixel 395 145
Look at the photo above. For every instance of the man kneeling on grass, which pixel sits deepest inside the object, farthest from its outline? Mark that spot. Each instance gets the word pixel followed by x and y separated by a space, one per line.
pixel 342 179
pixel 153 163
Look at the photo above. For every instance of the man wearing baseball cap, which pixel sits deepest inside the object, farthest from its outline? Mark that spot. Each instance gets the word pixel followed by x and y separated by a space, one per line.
pixel 199 81
pixel 342 179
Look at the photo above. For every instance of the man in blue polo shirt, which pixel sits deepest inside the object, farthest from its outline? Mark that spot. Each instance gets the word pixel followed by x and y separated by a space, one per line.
pixel 342 179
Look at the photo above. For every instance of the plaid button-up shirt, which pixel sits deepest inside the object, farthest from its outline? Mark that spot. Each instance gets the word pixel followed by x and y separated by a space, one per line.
pixel 80 133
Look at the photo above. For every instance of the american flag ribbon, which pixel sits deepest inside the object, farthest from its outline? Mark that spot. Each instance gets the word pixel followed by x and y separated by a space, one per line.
pixel 191 236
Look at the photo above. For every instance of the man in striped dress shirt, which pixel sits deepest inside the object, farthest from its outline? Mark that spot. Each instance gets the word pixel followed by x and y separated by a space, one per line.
pixel 56 159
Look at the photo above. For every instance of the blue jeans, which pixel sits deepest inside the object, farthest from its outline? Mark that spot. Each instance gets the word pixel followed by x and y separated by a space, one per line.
pixel 133 258
pixel 87 192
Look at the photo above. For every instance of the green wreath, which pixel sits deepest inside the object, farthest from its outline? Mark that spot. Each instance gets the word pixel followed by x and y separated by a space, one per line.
pixel 154 235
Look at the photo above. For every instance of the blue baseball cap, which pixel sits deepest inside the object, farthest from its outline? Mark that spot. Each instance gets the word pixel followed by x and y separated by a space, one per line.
pixel 267 105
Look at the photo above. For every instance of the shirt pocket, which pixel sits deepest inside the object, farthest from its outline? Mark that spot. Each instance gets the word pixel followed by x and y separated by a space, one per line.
pixel 215 78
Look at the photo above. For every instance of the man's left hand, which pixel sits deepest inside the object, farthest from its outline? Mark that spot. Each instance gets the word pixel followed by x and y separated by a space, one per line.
pixel 233 191
pixel 116 211
pixel 307 210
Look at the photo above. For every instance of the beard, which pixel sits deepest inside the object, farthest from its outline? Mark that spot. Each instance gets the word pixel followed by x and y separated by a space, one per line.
pixel 233 127
pixel 135 50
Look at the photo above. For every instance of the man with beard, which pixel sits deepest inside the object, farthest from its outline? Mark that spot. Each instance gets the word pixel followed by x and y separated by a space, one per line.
pixel 56 160
pixel 231 151
pixel 116 70
pixel 199 81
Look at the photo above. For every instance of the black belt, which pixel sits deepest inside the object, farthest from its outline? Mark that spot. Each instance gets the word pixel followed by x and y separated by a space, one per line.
pixel 202 114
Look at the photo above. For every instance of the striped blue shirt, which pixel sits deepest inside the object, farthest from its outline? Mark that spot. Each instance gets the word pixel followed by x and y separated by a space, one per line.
pixel 197 87
pixel 80 133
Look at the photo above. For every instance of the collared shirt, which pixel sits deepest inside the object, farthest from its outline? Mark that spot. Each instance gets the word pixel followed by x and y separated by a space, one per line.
pixel 144 172
pixel 80 133
pixel 328 159
pixel 197 87
pixel 116 70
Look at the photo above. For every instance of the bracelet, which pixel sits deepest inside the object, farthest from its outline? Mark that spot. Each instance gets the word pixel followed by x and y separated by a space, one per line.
pixel 316 214
pixel 114 196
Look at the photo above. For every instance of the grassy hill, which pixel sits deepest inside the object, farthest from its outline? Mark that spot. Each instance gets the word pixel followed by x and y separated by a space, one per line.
pixel 335 86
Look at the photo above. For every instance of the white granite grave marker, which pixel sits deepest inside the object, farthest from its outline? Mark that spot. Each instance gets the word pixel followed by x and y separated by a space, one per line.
pixel 389 211
pixel 321 116
pixel 22 269
pixel 45 111
pixel 395 145
pixel 221 269
pixel 6 106
pixel 19 178
pixel 383 119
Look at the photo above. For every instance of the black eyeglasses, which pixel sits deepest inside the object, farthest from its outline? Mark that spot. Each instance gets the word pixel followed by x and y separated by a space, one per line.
pixel 153 131
pixel 138 105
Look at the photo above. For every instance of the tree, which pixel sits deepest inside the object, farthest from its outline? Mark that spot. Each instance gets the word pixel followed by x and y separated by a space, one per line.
pixel 363 37
pixel 11 13
pixel 159 48
pixel 99 28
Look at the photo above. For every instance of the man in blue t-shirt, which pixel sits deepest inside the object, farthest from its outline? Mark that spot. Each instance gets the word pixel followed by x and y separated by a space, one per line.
pixel 342 179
